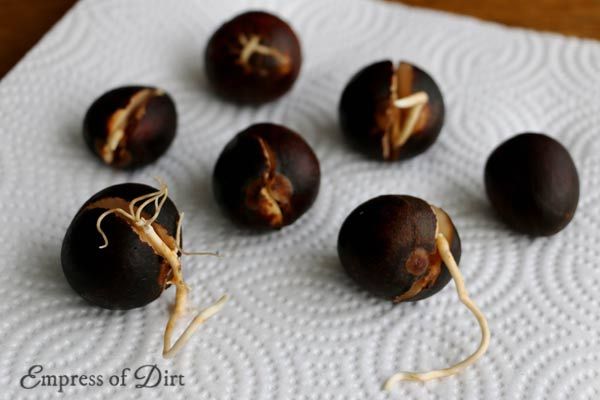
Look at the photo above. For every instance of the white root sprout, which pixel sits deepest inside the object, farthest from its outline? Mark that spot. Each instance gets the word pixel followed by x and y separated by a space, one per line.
pixel 444 250
pixel 252 45
pixel 134 215
pixel 415 103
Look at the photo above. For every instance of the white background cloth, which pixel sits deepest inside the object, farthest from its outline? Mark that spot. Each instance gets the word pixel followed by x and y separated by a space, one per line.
pixel 296 326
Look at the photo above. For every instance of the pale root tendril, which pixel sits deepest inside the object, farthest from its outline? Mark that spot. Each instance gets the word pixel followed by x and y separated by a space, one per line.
pixel 415 103
pixel 134 215
pixel 444 250
pixel 252 45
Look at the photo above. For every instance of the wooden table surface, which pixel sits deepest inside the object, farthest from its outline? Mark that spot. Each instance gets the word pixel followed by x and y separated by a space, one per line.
pixel 22 23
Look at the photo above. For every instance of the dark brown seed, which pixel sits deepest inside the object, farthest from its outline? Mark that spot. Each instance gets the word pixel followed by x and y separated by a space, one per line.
pixel 373 120
pixel 532 182
pixel 128 273
pixel 131 126
pixel 387 245
pixel 253 58
pixel 266 177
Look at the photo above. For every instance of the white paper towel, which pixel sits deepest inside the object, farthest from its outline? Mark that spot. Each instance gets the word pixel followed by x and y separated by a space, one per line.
pixel 297 327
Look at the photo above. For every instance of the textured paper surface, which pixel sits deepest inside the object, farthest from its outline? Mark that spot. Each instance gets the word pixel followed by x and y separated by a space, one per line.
pixel 297 327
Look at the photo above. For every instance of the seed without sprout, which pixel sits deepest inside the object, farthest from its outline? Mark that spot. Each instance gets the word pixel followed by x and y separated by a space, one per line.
pixel 532 183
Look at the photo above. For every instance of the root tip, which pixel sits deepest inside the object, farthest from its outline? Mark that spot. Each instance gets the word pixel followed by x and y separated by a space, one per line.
pixel 391 382
pixel 222 300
